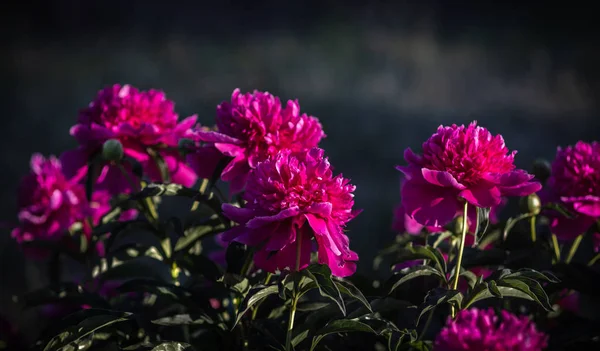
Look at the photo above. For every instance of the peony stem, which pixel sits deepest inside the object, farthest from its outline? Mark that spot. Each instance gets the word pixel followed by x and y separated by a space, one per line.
pixel 202 189
pixel 594 260
pixel 574 248
pixel 295 297
pixel 461 249
pixel 556 247
pixel 533 232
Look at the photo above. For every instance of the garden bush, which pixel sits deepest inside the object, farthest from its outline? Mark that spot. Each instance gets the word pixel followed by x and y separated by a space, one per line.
pixel 262 259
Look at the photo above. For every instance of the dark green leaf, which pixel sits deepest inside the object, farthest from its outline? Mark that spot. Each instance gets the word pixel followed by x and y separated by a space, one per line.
pixel 483 221
pixel 341 326
pixel 469 276
pixel 236 282
pixel 411 253
pixel 63 292
pixel 397 339
pixel 482 292
pixel 236 256
pixel 532 274
pixel 183 319
pixel 494 289
pixel 347 288
pixel 411 273
pixel 254 296
pixel 558 208
pixel 321 275
pixel 200 264
pixel 531 288
pixel 138 267
pixel 418 346
pixel 194 234
pixel 173 346
pixel 165 175
pixel 440 296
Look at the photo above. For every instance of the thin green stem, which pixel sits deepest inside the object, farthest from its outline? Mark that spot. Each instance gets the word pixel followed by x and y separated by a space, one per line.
pixel 461 249
pixel 427 323
pixel 556 247
pixel 202 189
pixel 574 248
pixel 295 296
pixel 533 232
pixel 594 260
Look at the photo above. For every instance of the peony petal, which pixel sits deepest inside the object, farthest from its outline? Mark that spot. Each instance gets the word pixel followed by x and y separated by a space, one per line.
pixel 338 265
pixel 285 259
pixel 237 214
pixel 230 150
pixel 56 199
pixel 443 179
pixel 322 209
pixel 237 167
pixel 74 164
pixel 204 161
pixel 284 234
pixel 321 230
pixel 588 205
pixel 411 157
pixel 215 137
pixel 258 222
pixel 428 204
pixel 482 196
pixel 517 183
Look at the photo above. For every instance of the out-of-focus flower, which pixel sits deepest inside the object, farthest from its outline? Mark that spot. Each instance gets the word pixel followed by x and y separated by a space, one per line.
pixel 568 301
pixel 291 199
pixel 251 128
pixel 482 330
pixel 574 184
pixel 49 203
pixel 457 163
pixel 147 127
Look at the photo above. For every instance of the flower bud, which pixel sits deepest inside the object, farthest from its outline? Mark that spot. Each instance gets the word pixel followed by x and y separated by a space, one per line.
pixel 112 150
pixel 531 204
pixel 458 225
pixel 541 170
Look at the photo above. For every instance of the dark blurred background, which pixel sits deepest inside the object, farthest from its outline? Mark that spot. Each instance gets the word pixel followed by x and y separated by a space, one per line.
pixel 381 76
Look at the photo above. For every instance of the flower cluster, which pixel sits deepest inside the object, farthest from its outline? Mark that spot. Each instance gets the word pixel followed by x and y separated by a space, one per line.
pixel 575 184
pixel 457 163
pixel 476 329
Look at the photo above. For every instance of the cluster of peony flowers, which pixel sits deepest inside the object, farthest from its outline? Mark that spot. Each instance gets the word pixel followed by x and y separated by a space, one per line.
pixel 482 330
pixel 575 184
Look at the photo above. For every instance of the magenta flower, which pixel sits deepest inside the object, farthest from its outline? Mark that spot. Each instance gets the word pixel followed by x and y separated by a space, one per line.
pixel 49 203
pixel 253 127
pixel 460 163
pixel 575 184
pixel 291 199
pixel 144 123
pixel 482 330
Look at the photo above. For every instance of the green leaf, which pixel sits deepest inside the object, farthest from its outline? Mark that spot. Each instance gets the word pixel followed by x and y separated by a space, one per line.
pixel 173 346
pixel 411 273
pixel 138 267
pixel 192 235
pixel 397 339
pixel 529 287
pixel 532 274
pixel 347 288
pixel 183 319
pixel 510 223
pixel 494 289
pixel 300 337
pixel 200 264
pixel 441 237
pixel 558 208
pixel 236 282
pixel 254 296
pixel 340 326
pixel 438 296
pixel 411 253
pixel 483 221
pixel 165 175
pixel 469 276
pixel 84 330
pixel 418 346
pixel 321 275
pixel 63 292
pixel 482 292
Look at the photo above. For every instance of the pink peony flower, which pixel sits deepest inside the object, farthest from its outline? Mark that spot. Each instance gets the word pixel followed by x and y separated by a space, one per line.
pixel 575 184
pixel 144 123
pixel 460 163
pixel 293 198
pixel 49 203
pixel 482 330
pixel 253 127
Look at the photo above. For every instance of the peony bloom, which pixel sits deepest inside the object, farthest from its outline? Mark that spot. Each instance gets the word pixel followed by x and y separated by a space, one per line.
pixel 460 163
pixel 144 122
pixel 293 198
pixel 49 203
pixel 575 184
pixel 482 330
pixel 253 127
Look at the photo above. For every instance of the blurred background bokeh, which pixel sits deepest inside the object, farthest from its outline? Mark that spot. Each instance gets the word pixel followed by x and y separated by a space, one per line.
pixel 381 76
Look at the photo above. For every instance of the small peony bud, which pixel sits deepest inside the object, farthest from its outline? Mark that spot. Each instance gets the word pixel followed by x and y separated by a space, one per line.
pixel 531 204
pixel 541 170
pixel 112 150
pixel 458 225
